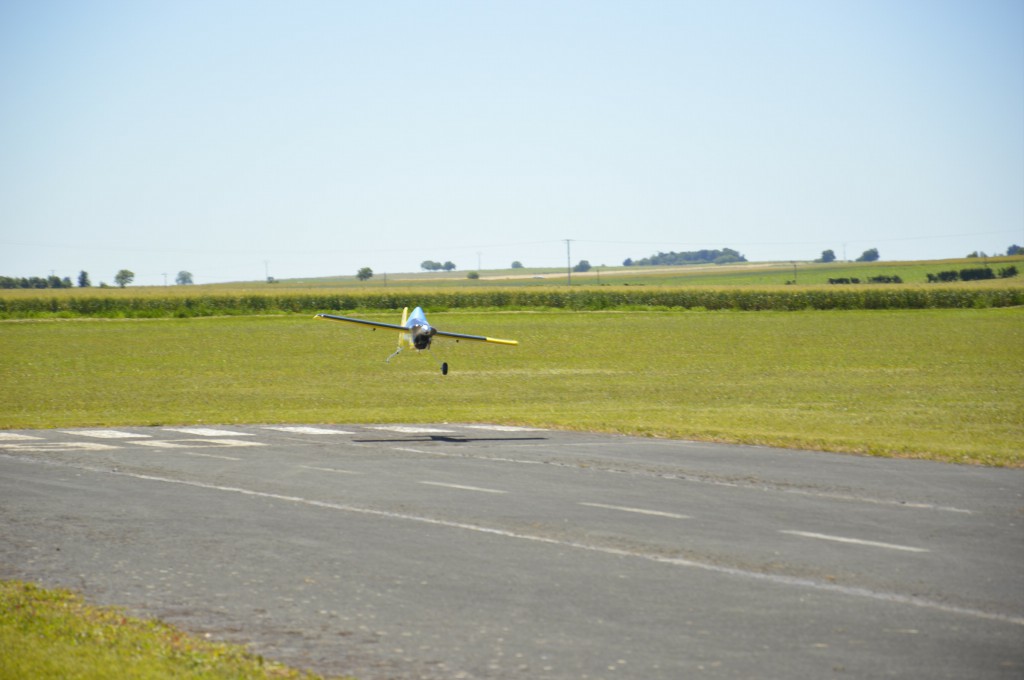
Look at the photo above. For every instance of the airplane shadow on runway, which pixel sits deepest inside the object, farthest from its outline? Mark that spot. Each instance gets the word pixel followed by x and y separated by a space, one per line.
pixel 450 440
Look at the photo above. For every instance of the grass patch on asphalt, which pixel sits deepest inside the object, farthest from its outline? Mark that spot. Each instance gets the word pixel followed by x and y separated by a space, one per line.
pixel 55 634
pixel 936 384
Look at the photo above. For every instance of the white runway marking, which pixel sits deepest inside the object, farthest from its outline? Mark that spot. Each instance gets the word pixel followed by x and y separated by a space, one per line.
pixel 14 437
pixel 408 429
pixel 304 430
pixel 639 511
pixel 198 443
pixel 337 470
pixel 57 447
pixel 503 428
pixel 463 488
pixel 878 501
pixel 207 432
pixel 105 434
pixel 778 579
pixel 208 455
pixel 854 541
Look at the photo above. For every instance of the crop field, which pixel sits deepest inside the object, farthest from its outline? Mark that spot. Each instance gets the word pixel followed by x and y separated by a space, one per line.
pixel 196 303
pixel 748 287
pixel 759 274
pixel 937 384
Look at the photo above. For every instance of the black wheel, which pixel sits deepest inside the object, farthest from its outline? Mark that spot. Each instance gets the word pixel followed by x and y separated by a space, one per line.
pixel 444 368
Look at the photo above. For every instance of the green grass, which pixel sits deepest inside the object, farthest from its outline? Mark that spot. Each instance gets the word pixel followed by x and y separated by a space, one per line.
pixel 54 634
pixel 937 384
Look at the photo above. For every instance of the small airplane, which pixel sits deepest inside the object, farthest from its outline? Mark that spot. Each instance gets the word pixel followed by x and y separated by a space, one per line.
pixel 415 332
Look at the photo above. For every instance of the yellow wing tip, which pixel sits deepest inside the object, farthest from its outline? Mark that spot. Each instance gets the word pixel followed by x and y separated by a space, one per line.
pixel 503 342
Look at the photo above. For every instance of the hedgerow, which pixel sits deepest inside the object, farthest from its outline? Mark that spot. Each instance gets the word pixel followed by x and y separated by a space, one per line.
pixel 579 299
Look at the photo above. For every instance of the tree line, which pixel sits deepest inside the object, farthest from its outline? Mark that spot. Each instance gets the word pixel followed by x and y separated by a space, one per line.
pixel 723 256
pixel 35 282
pixel 123 278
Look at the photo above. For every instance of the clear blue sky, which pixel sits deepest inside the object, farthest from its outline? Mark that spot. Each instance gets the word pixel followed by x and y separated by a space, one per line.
pixel 321 137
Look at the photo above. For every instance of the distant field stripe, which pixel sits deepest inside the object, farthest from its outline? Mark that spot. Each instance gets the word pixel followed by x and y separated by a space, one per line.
pixel 463 488
pixel 15 437
pixel 105 434
pixel 638 511
pixel 304 430
pixel 207 432
pixel 855 541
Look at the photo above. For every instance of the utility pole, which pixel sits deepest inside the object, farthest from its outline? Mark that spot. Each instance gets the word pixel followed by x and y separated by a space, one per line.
pixel 568 259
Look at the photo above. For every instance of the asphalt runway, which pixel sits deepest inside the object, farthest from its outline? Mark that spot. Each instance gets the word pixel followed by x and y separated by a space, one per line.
pixel 464 551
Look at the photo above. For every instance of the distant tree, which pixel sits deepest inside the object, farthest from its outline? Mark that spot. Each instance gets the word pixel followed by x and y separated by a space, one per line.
pixel 430 265
pixel 827 256
pixel 517 265
pixel 729 256
pixel 448 266
pixel 583 266
pixel 473 275
pixel 364 274
pixel 184 278
pixel 869 256
pixel 628 262
pixel 1015 250
pixel 83 279
pixel 124 277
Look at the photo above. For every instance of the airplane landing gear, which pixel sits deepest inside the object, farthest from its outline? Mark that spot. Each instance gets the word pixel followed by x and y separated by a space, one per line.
pixel 444 368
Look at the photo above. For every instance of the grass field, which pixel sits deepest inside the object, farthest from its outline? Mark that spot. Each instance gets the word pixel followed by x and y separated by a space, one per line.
pixel 943 385
pixel 54 634
pixel 938 384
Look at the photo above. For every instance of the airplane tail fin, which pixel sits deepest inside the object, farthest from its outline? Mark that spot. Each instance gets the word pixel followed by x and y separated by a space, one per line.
pixel 404 339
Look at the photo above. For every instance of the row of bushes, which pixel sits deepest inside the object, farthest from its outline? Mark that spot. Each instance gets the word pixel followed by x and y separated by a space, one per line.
pixel 581 299
pixel 975 274
pixel 872 279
